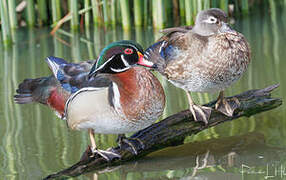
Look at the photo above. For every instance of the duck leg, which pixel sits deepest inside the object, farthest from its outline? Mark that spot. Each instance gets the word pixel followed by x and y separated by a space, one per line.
pixel 108 155
pixel 134 144
pixel 200 113
pixel 226 106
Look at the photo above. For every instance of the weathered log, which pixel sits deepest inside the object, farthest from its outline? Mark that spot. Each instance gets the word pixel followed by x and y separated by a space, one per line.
pixel 173 130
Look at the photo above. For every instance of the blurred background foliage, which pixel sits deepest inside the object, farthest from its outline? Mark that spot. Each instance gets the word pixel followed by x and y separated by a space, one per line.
pixel 80 14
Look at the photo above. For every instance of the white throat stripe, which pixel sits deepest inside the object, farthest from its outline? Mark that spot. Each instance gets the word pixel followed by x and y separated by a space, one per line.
pixel 124 61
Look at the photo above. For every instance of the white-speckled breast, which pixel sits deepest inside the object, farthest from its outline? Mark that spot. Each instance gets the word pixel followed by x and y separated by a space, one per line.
pixel 219 62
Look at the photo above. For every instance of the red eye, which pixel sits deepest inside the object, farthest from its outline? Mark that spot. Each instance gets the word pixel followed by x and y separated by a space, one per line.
pixel 128 51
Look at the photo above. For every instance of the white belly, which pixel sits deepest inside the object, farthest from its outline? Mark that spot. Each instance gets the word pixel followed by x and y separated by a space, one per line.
pixel 199 83
pixel 90 108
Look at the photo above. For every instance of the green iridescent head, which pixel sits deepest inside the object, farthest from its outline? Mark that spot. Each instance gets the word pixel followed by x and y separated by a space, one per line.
pixel 118 57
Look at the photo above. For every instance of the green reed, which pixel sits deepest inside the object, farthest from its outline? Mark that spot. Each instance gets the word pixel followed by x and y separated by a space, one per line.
pixel 182 10
pixel 30 13
pixel 96 12
pixel 188 11
pixel 42 10
pixel 161 13
pixel 74 14
pixel 113 12
pixel 12 14
pixel 87 14
pixel 145 12
pixel 138 12
pixel 224 5
pixel 128 13
pixel 56 10
pixel 126 22
pixel 106 12
pixel 244 6
pixel 6 35
pixel 154 12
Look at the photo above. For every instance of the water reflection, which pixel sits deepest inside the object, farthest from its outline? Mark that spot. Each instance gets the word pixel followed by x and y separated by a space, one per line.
pixel 34 143
pixel 237 155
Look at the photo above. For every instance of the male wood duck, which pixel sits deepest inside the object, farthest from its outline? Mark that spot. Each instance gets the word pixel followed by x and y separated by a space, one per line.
pixel 118 97
pixel 206 58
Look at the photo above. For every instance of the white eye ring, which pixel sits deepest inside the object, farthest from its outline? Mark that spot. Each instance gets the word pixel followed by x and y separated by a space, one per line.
pixel 211 20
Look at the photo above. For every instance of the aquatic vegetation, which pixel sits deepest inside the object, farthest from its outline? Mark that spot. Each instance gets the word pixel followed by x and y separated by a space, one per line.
pixel 107 13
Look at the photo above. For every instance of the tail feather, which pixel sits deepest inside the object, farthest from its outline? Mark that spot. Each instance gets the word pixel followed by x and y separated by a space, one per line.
pixel 29 85
pixel 26 91
pixel 23 98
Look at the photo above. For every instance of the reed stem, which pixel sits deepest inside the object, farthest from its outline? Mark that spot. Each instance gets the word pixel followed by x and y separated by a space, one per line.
pixel 194 7
pixel 74 14
pixel 174 11
pixel 106 12
pixel 42 10
pixel 207 4
pixel 224 5
pixel 56 10
pixel 118 12
pixel 87 14
pixel 5 23
pixel 113 12
pixel 214 3
pixel 145 13
pixel 199 5
pixel 154 12
pixel 138 12
pixel 160 14
pixel 244 6
pixel 12 14
pixel 188 8
pixel 30 13
pixel 182 11
pixel 124 4
pixel 97 12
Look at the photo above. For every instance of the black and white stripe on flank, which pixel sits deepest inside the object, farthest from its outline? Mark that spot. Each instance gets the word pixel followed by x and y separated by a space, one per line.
pixel 77 93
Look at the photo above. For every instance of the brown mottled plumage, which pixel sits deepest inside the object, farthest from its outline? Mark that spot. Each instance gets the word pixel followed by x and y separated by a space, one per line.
pixel 147 97
pixel 206 58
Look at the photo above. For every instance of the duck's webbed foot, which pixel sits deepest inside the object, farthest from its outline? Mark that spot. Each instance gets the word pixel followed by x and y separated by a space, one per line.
pixel 227 106
pixel 201 113
pixel 134 144
pixel 107 155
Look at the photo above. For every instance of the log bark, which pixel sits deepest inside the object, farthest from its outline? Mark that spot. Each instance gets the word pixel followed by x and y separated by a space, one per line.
pixel 173 130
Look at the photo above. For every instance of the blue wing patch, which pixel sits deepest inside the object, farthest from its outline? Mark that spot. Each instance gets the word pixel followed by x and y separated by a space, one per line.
pixel 57 60
pixel 57 66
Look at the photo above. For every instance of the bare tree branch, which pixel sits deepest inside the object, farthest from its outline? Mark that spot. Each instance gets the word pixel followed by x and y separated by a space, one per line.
pixel 173 130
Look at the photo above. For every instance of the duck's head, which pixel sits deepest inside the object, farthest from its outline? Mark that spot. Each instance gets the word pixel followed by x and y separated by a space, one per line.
pixel 212 21
pixel 118 57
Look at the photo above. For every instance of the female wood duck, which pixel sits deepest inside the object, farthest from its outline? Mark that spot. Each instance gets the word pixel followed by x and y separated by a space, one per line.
pixel 118 96
pixel 206 58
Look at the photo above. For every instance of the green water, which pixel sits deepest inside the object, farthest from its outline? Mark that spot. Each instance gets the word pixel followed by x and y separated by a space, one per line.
pixel 35 143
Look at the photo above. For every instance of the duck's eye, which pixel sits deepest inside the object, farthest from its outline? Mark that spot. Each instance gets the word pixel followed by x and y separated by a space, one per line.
pixel 128 51
pixel 211 20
